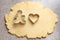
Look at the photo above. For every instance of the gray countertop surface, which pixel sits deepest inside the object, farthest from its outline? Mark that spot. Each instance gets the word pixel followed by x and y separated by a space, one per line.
pixel 5 6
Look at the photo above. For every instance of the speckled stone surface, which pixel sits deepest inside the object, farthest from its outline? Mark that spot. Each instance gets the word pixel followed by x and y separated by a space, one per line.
pixel 5 6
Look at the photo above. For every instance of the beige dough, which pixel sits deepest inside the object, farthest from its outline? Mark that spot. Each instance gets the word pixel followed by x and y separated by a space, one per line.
pixel 39 24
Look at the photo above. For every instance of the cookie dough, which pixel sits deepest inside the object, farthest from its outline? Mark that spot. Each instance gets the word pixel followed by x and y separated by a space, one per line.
pixel 33 20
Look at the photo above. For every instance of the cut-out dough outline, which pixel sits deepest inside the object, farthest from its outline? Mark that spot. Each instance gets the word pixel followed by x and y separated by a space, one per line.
pixel 22 18
pixel 33 15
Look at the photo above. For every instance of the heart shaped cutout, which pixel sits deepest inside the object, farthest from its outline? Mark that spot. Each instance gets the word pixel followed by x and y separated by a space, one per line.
pixel 33 18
